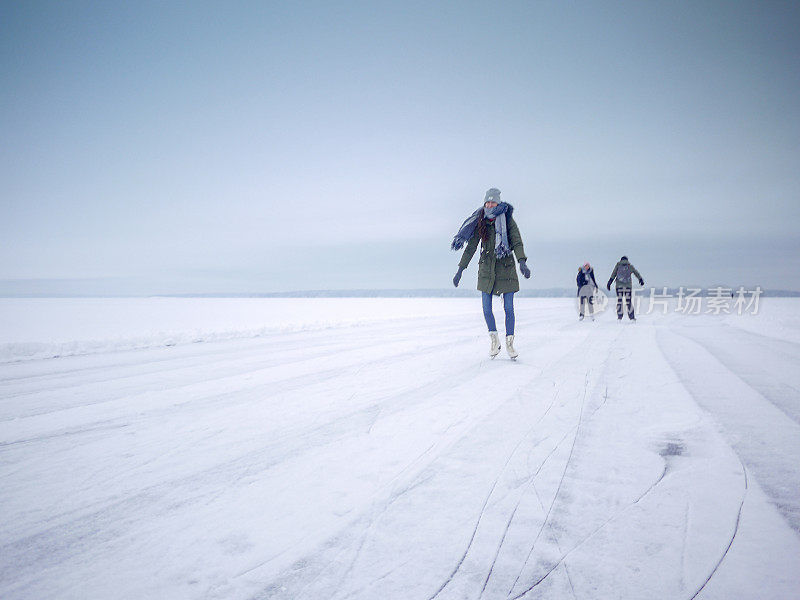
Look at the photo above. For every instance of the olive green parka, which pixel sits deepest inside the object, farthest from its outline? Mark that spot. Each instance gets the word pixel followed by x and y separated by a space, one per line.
pixel 495 275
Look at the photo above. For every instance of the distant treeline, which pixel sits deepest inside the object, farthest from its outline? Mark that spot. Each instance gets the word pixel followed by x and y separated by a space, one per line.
pixel 461 293
pixel 392 293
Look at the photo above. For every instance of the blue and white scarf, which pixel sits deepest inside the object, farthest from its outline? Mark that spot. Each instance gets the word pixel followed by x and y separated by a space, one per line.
pixel 498 213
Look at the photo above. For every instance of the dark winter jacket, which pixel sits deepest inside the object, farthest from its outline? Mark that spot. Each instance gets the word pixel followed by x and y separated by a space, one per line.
pixel 495 275
pixel 587 279
pixel 622 273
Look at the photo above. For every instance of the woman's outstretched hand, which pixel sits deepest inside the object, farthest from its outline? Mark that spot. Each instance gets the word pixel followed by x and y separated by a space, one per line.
pixel 523 267
pixel 457 278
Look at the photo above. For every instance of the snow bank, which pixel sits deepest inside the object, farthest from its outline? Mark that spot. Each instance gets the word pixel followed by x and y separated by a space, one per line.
pixel 33 328
pixel 777 318
pixel 49 327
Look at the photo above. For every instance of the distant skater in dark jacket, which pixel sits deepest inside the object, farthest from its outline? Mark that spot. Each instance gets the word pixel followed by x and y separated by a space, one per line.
pixel 586 287
pixel 622 275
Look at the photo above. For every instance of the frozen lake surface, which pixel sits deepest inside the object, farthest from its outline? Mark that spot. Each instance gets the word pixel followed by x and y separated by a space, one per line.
pixel 369 449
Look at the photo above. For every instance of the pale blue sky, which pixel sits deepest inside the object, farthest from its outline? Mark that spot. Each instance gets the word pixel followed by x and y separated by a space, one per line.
pixel 257 146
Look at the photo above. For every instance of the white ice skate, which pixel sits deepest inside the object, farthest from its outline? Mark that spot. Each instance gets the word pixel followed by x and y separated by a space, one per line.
pixel 510 347
pixel 494 340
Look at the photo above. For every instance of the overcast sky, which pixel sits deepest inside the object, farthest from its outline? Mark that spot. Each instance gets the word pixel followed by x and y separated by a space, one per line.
pixel 171 147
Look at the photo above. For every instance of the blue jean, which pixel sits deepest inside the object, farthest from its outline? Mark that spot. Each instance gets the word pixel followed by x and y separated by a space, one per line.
pixel 624 299
pixel 508 305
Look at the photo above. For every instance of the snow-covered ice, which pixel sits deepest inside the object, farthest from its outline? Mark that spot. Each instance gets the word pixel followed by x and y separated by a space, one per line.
pixel 368 449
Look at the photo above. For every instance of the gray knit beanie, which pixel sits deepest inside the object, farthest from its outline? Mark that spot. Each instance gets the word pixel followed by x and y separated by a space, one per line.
pixel 492 194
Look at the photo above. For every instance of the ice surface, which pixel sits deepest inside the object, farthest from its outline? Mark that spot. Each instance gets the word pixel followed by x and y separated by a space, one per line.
pixel 368 448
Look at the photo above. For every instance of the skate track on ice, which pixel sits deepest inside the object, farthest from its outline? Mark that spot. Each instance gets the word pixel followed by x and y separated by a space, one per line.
pixel 394 460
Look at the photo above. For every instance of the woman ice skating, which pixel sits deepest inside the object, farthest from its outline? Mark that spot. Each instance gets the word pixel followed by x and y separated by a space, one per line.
pixel 495 228
pixel 622 274
pixel 586 289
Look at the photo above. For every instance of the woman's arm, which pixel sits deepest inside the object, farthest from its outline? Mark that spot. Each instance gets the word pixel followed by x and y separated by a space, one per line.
pixel 515 239
pixel 469 250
